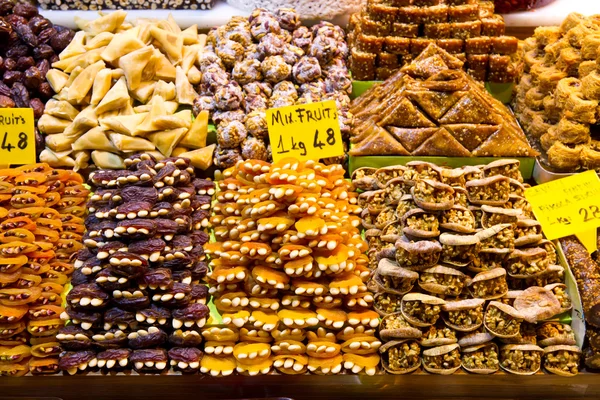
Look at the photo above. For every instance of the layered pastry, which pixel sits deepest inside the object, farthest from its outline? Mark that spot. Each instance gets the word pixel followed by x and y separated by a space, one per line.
pixel 386 35
pixel 431 107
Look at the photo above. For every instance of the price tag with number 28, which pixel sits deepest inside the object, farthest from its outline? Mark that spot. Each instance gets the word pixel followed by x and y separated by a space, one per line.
pixel 305 131
pixel 17 136
pixel 568 206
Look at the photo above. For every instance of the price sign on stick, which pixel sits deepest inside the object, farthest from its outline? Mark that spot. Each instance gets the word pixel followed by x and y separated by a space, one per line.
pixel 568 206
pixel 306 131
pixel 17 136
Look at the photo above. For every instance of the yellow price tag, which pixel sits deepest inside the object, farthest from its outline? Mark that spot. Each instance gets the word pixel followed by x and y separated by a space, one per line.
pixel 567 206
pixel 305 131
pixel 17 136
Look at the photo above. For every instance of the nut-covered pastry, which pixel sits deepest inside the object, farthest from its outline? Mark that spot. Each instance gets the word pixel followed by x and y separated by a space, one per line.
pixel 464 315
pixel 481 359
pixel 443 360
pixel 392 278
pixel 442 280
pixel 553 333
pixel 401 356
pixel 421 309
pixel 420 253
pixel 494 275
pixel 521 359
pixel 502 320
pixel 562 360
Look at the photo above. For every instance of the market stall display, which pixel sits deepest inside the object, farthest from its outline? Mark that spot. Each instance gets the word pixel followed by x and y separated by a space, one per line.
pixel 586 269
pixel 557 97
pixel 288 274
pixel 387 35
pixel 41 227
pixel 268 61
pixel 292 267
pixel 431 107
pixel 122 89
pixel 137 287
pixel 462 272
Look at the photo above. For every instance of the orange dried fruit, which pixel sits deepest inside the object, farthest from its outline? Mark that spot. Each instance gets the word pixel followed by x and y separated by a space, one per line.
pixel 265 320
pixel 361 363
pixel 275 224
pixel 291 364
pixel 310 227
pixel 270 278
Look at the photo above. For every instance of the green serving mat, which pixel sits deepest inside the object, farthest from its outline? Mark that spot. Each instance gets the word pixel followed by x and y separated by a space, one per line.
pixel 355 162
pixel 500 91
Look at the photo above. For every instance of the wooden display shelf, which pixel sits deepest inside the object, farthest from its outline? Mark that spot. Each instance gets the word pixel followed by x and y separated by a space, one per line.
pixel 415 386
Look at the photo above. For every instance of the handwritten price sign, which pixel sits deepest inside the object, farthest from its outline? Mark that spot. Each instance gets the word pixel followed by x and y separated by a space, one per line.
pixel 17 136
pixel 568 206
pixel 306 131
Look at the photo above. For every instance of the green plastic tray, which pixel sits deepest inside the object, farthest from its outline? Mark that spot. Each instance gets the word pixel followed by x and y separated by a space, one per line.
pixel 500 91
pixel 527 163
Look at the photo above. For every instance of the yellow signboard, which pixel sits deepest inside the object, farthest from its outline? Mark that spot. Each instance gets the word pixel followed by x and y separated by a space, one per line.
pixel 305 131
pixel 568 206
pixel 17 136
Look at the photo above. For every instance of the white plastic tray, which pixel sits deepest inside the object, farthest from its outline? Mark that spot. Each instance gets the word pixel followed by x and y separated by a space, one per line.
pixel 220 14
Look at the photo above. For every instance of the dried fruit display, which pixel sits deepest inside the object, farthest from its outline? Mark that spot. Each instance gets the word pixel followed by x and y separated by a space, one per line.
pixel 137 301
pixel 586 269
pixel 124 89
pixel 288 274
pixel 431 107
pixel 463 275
pixel 30 44
pixel 268 61
pixel 556 100
pixel 92 5
pixel 386 35
pixel 41 227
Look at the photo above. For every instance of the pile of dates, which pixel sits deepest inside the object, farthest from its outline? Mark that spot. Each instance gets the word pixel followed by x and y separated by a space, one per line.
pixel 137 301
pixel 288 274
pixel 41 227
pixel 29 44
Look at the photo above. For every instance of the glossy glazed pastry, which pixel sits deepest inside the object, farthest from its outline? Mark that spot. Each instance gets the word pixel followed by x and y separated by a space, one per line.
pixel 432 108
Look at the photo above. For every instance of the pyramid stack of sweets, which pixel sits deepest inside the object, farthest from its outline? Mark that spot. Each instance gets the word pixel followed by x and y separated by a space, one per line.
pixel 288 274
pixel 122 89
pixel 41 227
pixel 557 97
pixel 431 107
pixel 136 289
pixel 268 61
pixel 388 34
pixel 464 277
